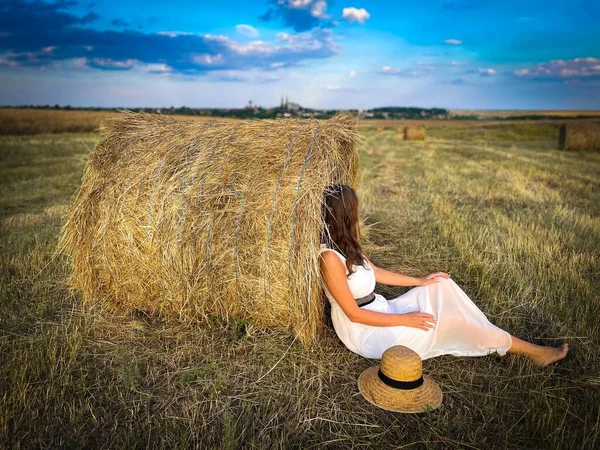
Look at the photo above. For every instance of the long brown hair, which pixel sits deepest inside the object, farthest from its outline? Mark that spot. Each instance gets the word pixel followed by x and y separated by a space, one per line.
pixel 341 229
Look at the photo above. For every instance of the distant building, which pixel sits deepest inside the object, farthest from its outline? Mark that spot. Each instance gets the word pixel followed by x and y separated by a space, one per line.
pixel 362 112
pixel 285 104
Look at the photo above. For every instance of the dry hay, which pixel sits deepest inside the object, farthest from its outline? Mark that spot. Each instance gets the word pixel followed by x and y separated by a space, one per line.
pixel 579 136
pixel 414 133
pixel 23 220
pixel 193 220
pixel 56 210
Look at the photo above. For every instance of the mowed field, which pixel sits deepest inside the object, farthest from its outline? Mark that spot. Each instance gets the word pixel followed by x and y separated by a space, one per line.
pixel 514 220
pixel 26 121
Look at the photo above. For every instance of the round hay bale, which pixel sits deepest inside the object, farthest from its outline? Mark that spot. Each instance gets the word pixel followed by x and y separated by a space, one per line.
pixel 192 220
pixel 579 136
pixel 414 133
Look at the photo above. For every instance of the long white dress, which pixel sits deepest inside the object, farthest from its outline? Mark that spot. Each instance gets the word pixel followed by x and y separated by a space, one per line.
pixel 461 328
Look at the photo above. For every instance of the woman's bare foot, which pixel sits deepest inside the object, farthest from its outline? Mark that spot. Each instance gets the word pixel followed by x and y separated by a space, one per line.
pixel 548 355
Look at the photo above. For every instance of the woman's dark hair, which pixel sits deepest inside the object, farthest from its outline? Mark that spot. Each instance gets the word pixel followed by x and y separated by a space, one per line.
pixel 341 229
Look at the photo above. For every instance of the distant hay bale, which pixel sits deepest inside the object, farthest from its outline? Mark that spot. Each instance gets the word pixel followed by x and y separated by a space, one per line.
pixel 579 136
pixel 192 220
pixel 23 220
pixel 414 133
pixel 379 129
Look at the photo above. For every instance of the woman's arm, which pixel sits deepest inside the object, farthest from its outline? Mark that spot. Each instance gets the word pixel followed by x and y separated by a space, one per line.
pixel 389 278
pixel 333 271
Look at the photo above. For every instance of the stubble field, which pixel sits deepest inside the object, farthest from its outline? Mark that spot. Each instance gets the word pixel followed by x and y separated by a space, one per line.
pixel 516 222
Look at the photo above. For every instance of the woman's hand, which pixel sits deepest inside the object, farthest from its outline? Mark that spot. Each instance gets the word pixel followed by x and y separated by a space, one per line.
pixel 418 319
pixel 431 279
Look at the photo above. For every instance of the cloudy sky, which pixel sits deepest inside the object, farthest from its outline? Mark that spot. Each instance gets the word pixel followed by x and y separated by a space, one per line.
pixel 471 54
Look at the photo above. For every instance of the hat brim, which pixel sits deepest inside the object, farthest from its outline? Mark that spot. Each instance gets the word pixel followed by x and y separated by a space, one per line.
pixel 426 397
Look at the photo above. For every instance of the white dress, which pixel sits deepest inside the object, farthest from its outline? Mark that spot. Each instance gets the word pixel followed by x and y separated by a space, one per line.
pixel 461 328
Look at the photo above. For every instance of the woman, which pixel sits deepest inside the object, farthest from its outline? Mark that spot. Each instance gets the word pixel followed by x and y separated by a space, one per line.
pixel 434 318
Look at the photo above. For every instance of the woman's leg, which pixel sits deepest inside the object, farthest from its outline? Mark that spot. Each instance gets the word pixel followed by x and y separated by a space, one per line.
pixel 540 354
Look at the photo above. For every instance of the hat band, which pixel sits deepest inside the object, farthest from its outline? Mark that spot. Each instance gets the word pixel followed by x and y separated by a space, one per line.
pixel 400 384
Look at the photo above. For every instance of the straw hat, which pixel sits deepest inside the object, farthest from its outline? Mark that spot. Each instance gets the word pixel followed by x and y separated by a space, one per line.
pixel 398 383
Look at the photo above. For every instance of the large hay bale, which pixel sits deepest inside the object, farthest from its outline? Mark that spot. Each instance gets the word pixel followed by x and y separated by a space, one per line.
pixel 193 220
pixel 414 133
pixel 579 136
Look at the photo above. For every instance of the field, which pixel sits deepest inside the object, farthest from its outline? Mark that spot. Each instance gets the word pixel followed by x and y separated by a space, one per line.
pixel 512 113
pixel 514 220
pixel 25 121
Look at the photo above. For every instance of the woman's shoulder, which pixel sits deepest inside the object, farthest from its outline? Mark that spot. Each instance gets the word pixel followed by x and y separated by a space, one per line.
pixel 324 247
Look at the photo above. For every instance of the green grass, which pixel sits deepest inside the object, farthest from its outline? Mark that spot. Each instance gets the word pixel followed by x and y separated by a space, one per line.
pixel 502 134
pixel 515 221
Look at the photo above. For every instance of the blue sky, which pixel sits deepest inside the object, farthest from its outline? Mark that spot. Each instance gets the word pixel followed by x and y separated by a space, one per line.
pixel 457 54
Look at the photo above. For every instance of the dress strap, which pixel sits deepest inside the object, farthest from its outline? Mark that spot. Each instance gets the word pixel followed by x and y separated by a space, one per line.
pixel 323 248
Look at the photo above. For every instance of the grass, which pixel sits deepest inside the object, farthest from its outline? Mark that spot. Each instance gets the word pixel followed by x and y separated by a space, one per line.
pixel 514 220
pixel 20 121
pixel 28 121
pixel 493 113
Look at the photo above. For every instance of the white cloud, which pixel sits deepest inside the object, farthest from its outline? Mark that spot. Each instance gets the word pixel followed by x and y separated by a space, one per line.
pixel 452 42
pixel 340 88
pixel 486 72
pixel 318 9
pixel 389 69
pixel 309 42
pixel 352 14
pixel 175 33
pixel 247 30
pixel 114 64
pixel 352 74
pixel 298 3
pixel 424 70
pixel 207 59
pixel 560 68
pixel 159 69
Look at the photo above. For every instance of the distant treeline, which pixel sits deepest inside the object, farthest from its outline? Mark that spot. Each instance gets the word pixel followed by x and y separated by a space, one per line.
pixel 409 113
pixel 258 112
